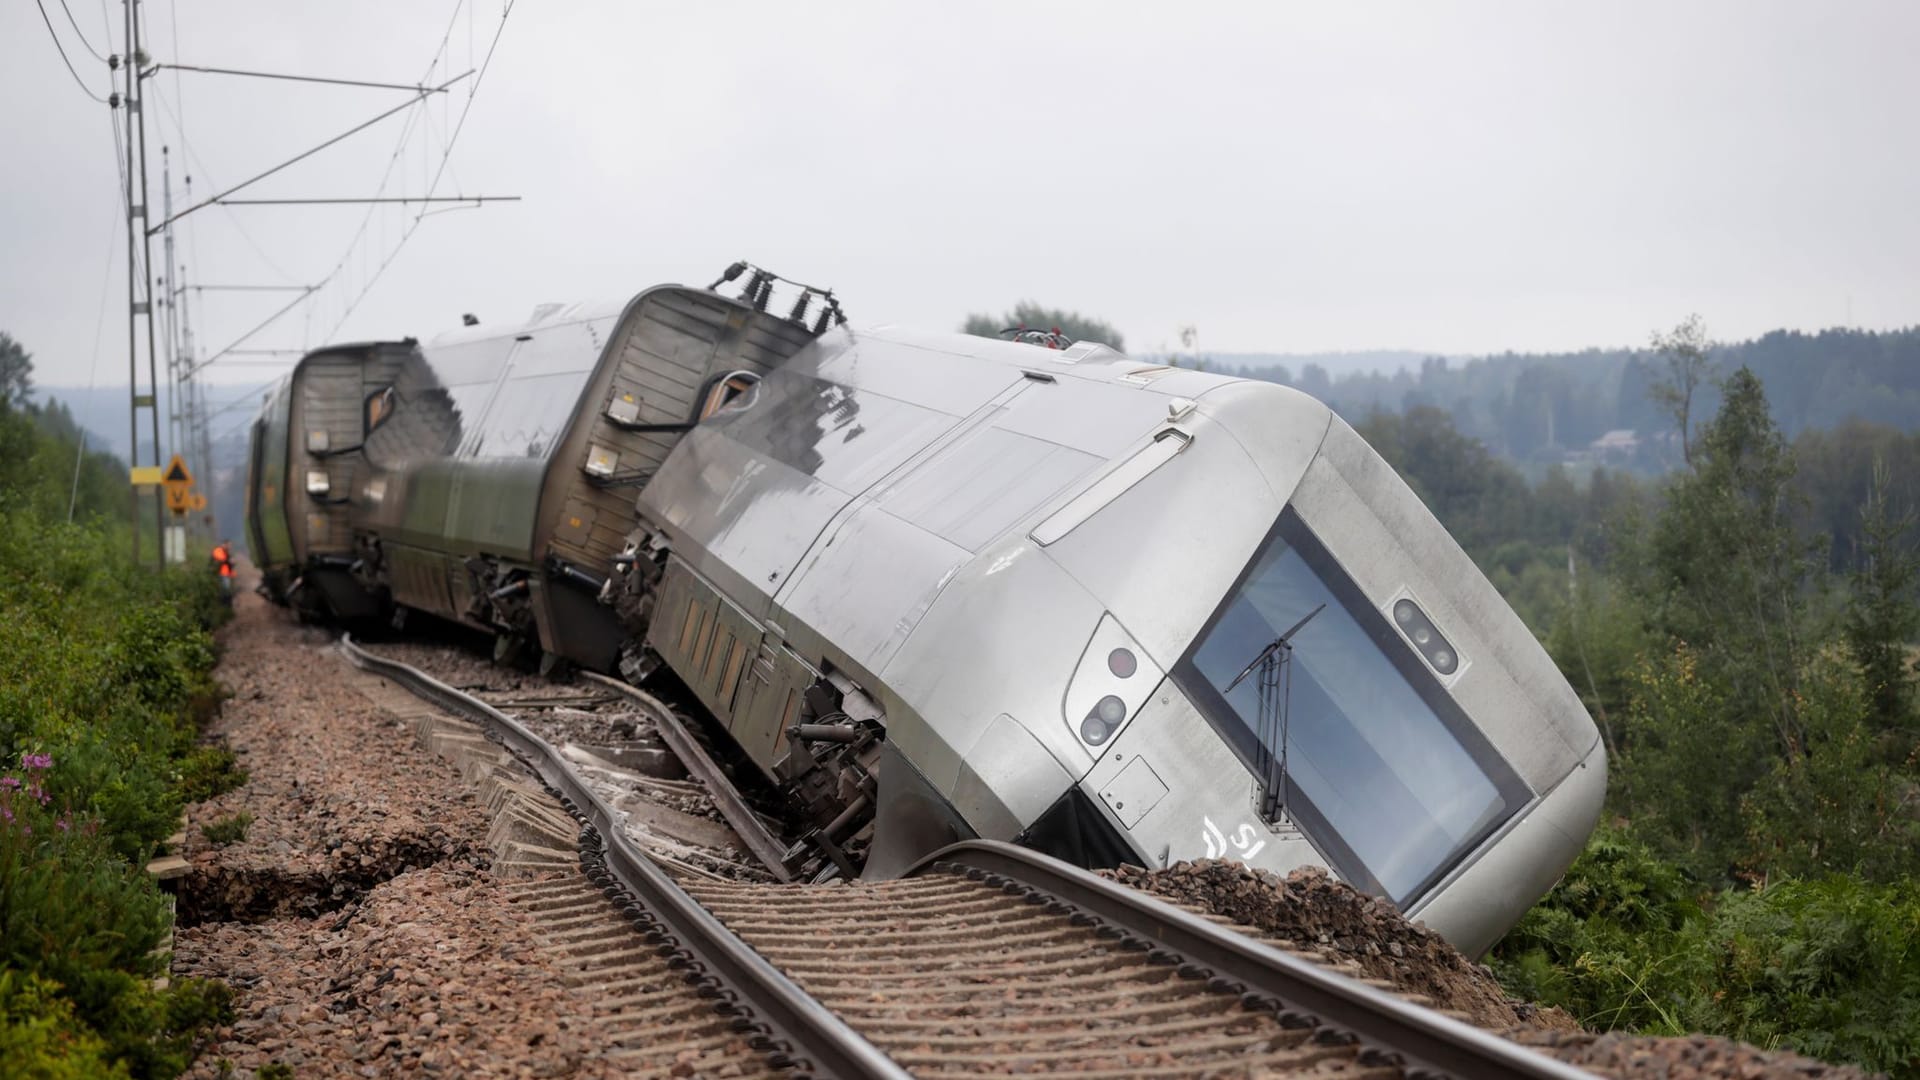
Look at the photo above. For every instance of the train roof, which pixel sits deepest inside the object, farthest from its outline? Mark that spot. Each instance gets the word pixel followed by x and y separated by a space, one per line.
pixel 543 316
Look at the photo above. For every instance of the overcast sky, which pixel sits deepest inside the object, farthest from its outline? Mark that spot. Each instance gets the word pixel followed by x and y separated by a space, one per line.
pixel 1460 177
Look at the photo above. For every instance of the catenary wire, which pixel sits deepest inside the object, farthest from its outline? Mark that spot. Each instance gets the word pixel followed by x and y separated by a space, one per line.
pixel 485 64
pixel 62 49
pixel 400 146
pixel 77 32
pixel 393 162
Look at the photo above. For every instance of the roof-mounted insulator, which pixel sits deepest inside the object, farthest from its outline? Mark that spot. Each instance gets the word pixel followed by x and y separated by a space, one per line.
pixel 1048 339
pixel 758 292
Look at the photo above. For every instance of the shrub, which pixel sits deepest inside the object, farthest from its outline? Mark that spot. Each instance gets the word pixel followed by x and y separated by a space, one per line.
pixel 228 829
pixel 1829 967
pixel 209 771
pixel 40 1038
pixel 1834 802
pixel 106 687
pixel 1616 943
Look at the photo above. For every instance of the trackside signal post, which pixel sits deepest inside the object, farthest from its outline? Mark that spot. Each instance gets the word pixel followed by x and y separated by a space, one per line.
pixel 177 482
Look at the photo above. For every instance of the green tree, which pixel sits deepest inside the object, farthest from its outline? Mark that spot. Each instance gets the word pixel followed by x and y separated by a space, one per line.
pixel 1034 317
pixel 1684 348
pixel 1835 800
pixel 16 372
pixel 1881 618
pixel 1722 577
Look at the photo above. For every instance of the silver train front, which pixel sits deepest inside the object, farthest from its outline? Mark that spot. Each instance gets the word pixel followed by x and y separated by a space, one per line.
pixel 1045 567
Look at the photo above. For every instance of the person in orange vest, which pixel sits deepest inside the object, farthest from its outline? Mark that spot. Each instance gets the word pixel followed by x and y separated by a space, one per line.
pixel 223 565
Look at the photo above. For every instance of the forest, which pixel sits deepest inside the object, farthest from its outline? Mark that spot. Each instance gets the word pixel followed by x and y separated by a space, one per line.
pixel 1742 631
pixel 1542 409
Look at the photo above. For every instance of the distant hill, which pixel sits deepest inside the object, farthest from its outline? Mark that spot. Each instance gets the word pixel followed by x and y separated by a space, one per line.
pixel 102 411
pixel 1592 407
pixel 1336 364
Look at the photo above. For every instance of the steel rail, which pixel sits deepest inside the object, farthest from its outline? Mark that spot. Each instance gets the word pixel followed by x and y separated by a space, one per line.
pixel 815 1038
pixel 764 845
pixel 1421 1041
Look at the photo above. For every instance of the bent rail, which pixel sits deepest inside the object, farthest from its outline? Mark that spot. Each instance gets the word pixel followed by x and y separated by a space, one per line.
pixel 799 1030
pixel 1421 1041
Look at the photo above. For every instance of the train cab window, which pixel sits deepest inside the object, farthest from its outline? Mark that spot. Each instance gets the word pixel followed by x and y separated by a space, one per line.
pixel 379 408
pixel 1386 774
pixel 732 393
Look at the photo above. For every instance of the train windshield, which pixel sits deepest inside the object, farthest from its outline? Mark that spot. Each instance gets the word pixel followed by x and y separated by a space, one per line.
pixel 1388 777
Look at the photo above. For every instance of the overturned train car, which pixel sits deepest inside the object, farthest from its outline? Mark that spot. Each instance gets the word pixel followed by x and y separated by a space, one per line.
pixel 938 586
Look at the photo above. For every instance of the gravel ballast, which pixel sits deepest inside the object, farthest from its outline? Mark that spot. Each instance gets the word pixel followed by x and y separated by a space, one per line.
pixel 1313 911
pixel 357 920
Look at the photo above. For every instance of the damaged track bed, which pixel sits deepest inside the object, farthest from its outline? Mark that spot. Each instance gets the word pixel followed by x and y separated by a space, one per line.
pixel 986 958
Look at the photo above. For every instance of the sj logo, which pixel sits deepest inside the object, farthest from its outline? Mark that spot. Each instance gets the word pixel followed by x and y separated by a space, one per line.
pixel 1246 841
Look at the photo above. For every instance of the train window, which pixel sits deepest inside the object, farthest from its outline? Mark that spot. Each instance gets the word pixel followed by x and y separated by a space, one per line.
pixel 1389 777
pixel 379 408
pixel 735 391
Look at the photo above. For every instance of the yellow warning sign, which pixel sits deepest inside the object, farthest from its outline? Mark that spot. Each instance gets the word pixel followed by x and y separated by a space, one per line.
pixel 145 475
pixel 179 484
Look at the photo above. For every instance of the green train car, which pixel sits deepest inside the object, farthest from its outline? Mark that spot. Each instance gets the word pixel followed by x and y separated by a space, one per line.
pixel 488 476
pixel 305 455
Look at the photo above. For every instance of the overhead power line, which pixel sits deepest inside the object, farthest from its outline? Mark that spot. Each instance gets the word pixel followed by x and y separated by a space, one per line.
pixel 305 154
pixel 79 34
pixel 247 288
pixel 298 78
pixel 262 325
pixel 419 94
pixel 77 81
pixel 206 174
pixel 472 92
pixel 358 201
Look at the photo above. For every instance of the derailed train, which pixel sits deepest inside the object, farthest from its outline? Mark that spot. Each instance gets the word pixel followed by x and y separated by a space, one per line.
pixel 937 586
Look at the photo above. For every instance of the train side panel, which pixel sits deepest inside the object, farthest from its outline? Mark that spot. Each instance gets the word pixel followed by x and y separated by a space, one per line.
pixel 267 494
pixel 667 365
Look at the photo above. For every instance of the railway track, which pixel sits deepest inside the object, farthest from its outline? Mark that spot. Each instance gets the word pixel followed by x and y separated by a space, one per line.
pixel 985 958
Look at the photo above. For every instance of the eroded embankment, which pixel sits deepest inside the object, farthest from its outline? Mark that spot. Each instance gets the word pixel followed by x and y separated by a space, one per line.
pixel 357 917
